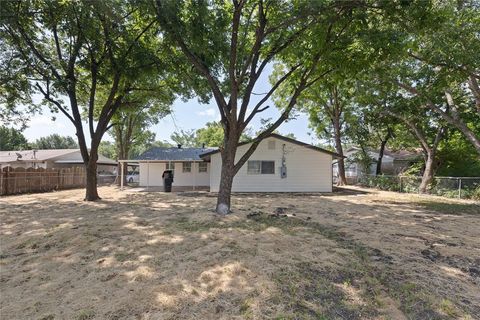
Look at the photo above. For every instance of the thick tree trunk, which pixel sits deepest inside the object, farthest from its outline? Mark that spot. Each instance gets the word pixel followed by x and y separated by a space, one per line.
pixel 91 193
pixel 428 173
pixel 380 157
pixel 226 180
pixel 342 179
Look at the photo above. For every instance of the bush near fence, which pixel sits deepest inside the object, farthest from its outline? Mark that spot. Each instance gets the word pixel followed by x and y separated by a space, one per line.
pixel 452 187
pixel 31 180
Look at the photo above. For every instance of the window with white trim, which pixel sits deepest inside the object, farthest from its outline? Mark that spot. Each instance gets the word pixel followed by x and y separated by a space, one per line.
pixel 260 167
pixel 202 167
pixel 170 166
pixel 187 167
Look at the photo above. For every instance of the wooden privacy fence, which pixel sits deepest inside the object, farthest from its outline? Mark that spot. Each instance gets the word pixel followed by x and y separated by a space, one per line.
pixel 21 180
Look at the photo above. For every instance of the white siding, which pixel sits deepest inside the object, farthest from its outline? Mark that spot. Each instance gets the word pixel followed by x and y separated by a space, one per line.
pixel 151 175
pixel 307 170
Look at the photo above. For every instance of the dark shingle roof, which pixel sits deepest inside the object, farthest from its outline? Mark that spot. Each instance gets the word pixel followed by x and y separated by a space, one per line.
pixel 207 153
pixel 173 154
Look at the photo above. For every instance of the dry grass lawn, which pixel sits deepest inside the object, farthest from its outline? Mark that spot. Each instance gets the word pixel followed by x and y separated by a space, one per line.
pixel 137 255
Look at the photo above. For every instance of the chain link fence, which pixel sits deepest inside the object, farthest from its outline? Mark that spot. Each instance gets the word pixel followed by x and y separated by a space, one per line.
pixel 451 187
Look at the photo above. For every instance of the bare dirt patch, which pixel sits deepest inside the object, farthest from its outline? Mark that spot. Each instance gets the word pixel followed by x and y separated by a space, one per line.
pixel 137 255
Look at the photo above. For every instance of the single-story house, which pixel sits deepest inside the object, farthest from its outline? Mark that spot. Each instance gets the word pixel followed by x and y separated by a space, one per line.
pixel 190 171
pixel 279 164
pixel 393 162
pixel 52 158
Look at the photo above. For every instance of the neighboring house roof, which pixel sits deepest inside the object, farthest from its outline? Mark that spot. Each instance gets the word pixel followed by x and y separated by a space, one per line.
pixel 173 154
pixel 400 155
pixel 274 135
pixel 55 155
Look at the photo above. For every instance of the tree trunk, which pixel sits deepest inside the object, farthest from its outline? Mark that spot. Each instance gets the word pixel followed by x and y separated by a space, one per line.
pixel 382 150
pixel 342 179
pixel 91 193
pixel 428 173
pixel 226 179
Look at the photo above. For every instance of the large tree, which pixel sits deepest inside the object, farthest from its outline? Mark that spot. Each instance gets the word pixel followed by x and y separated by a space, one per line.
pixel 440 65
pixel 55 141
pixel 65 50
pixel 232 44
pixel 330 107
pixel 12 139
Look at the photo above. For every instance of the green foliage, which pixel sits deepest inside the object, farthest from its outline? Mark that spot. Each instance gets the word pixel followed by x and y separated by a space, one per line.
pixel 12 139
pixel 185 138
pixel 458 158
pixel 108 149
pixel 211 135
pixel 55 141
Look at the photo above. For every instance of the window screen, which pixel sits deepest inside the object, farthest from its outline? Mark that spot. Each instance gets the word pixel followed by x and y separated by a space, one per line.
pixel 268 167
pixel 253 167
pixel 202 167
pixel 187 167
pixel 260 167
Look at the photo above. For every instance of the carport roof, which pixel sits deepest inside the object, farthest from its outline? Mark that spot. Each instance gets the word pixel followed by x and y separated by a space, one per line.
pixel 173 154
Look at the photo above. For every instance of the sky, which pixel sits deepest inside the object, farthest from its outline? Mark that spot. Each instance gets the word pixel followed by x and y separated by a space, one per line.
pixel 185 115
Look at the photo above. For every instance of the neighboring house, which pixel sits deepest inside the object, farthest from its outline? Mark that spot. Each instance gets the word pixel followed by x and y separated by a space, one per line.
pixel 54 158
pixel 279 164
pixel 393 162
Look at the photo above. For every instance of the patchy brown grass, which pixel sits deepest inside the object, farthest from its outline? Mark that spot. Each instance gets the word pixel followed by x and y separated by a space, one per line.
pixel 135 255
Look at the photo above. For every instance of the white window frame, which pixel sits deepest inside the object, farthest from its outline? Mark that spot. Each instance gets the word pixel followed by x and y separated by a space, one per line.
pixel 255 171
pixel 170 166
pixel 202 167
pixel 187 169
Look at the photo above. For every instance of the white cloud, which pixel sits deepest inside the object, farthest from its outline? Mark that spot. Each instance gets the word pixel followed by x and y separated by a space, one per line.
pixel 207 113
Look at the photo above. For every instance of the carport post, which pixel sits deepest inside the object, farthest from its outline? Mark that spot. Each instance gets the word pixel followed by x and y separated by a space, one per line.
pixel 194 175
pixel 121 174
pixel 148 175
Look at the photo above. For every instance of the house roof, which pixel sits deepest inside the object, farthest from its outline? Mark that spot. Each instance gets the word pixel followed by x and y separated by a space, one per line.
pixel 56 155
pixel 399 155
pixel 173 154
pixel 277 136
pixel 31 156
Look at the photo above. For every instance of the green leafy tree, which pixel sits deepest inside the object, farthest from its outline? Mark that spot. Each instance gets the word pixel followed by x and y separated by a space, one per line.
pixel 330 108
pixel 212 135
pixel 66 50
pixel 12 139
pixel 55 141
pixel 230 45
pixel 458 157
pixel 184 138
pixel 440 66
pixel 108 149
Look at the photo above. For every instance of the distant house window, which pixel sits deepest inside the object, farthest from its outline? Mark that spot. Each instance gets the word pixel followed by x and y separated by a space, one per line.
pixel 260 167
pixel 271 145
pixel 170 166
pixel 202 167
pixel 187 167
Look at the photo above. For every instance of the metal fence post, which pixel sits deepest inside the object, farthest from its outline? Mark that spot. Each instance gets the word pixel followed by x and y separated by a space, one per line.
pixel 459 188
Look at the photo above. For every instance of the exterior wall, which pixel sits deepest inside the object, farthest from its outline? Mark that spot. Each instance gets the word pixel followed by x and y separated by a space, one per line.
pixel 151 175
pixel 307 170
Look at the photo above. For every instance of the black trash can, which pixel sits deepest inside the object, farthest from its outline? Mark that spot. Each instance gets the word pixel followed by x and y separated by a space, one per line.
pixel 167 180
